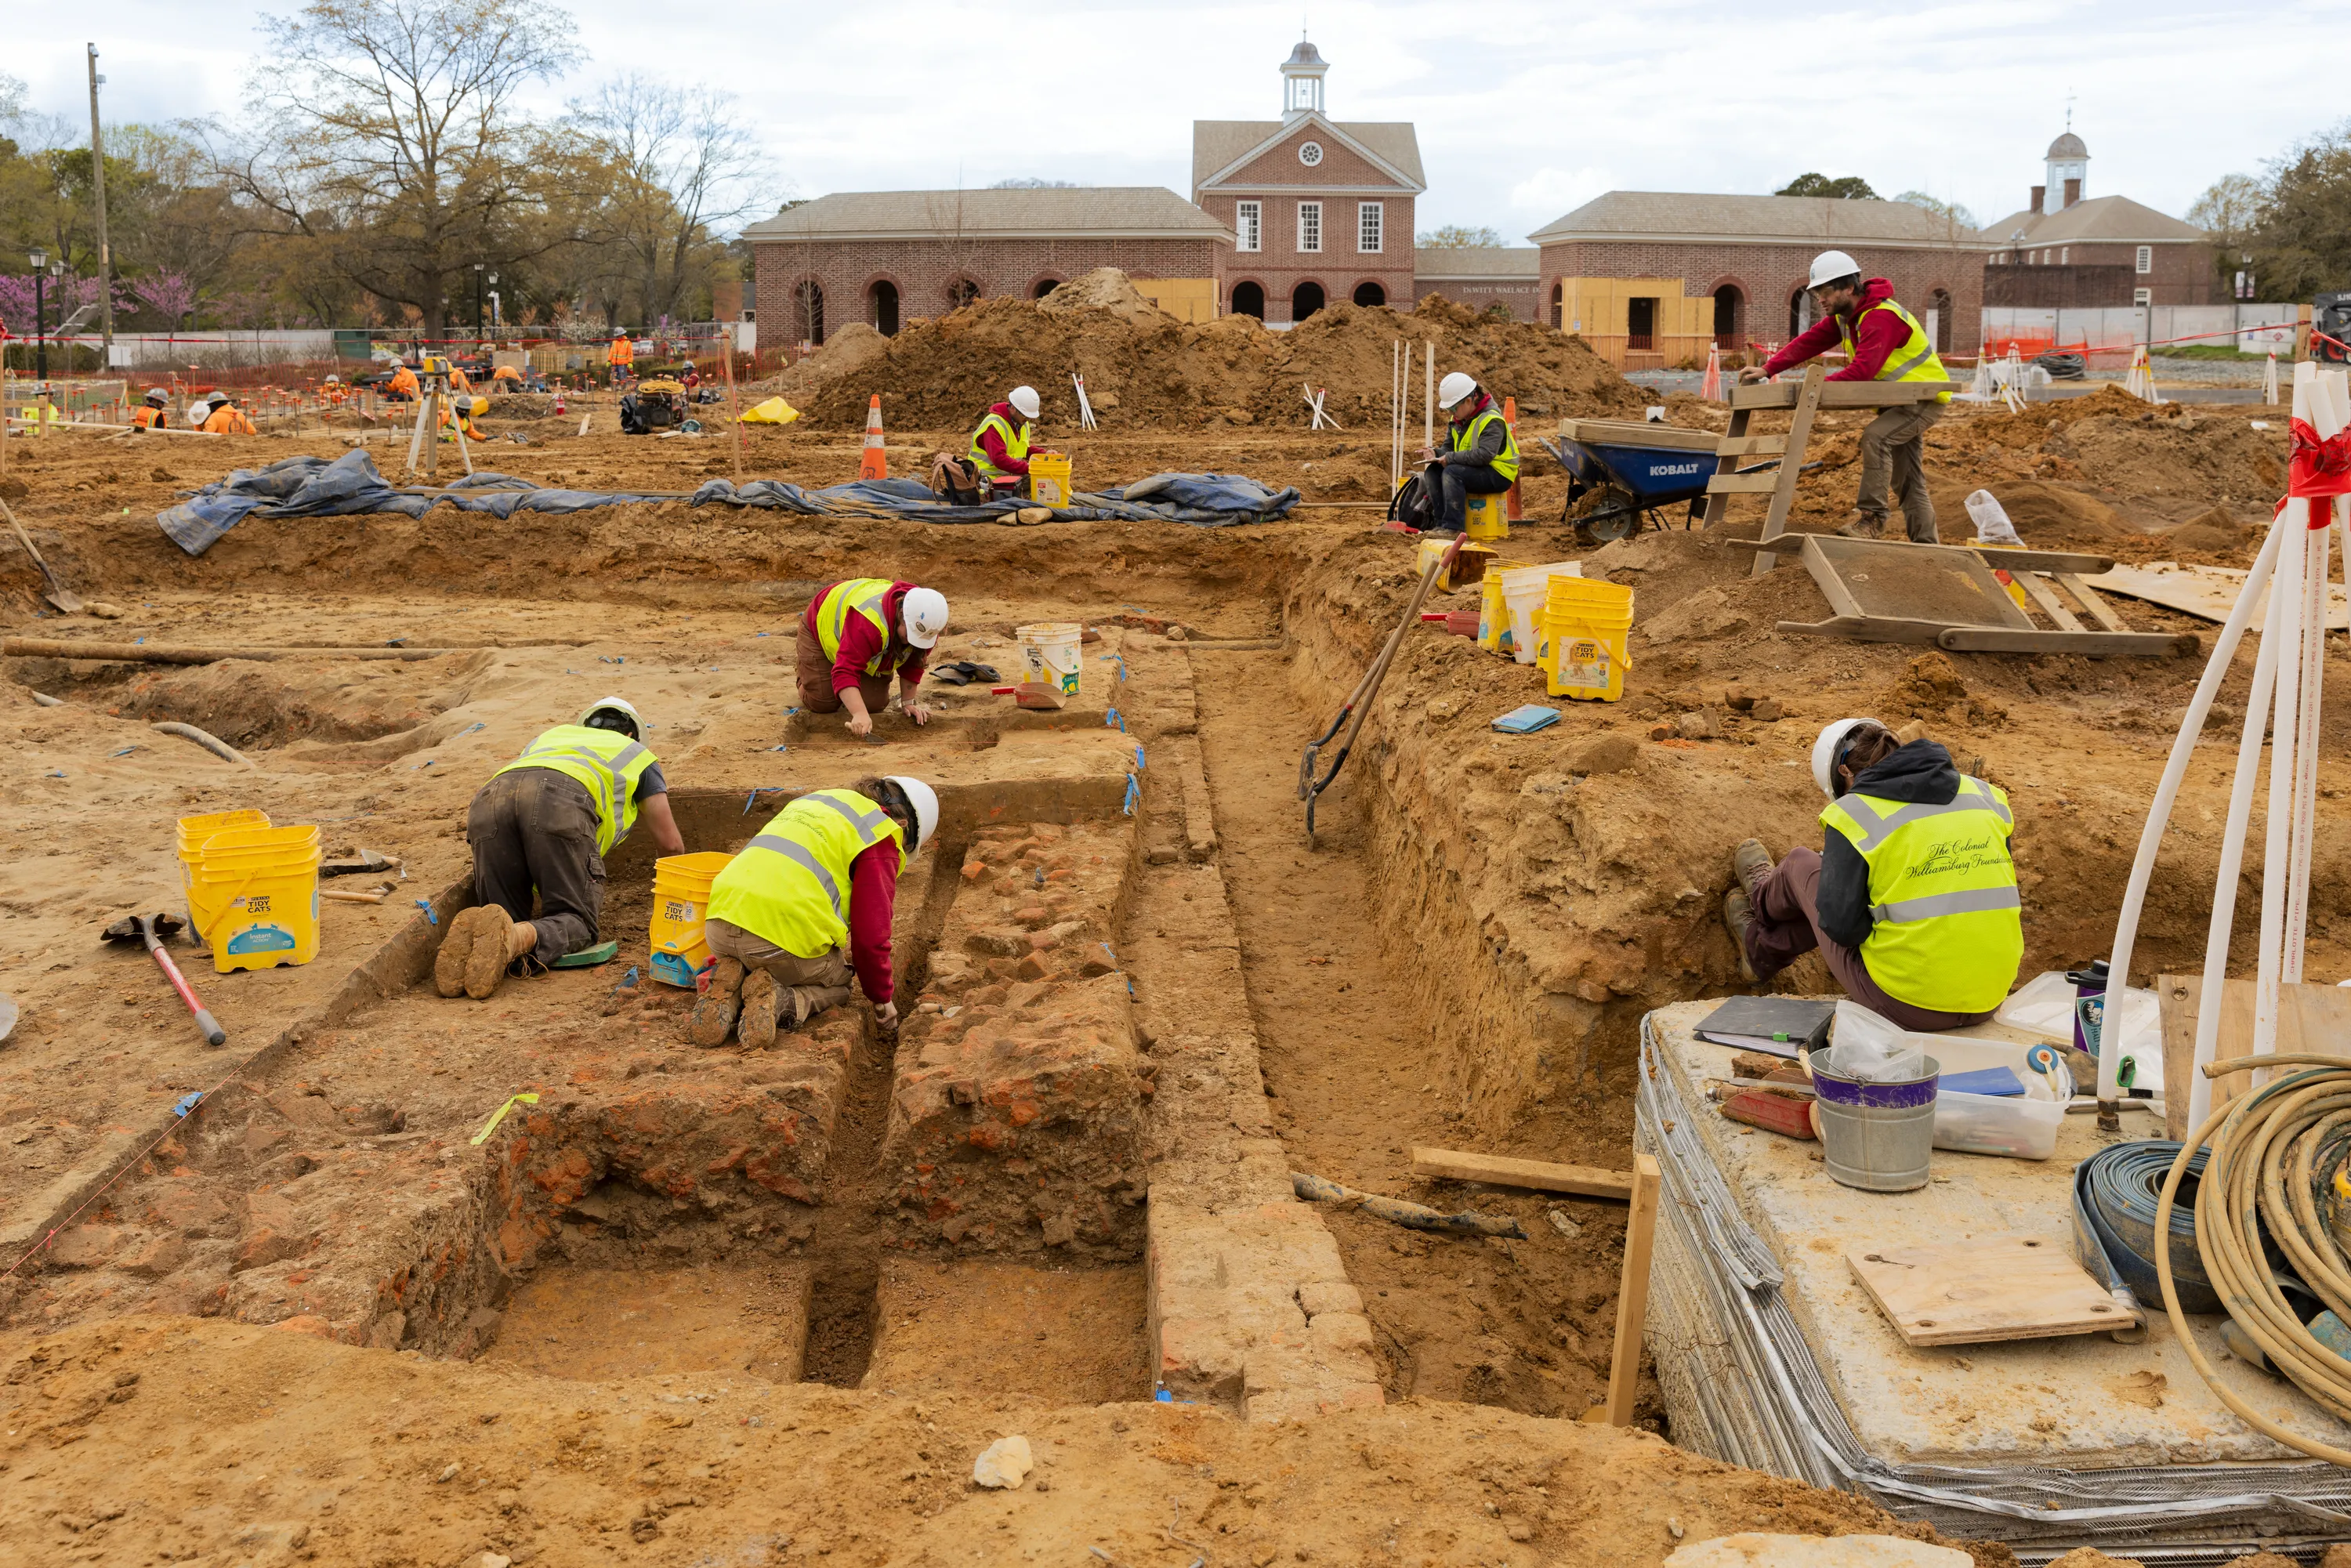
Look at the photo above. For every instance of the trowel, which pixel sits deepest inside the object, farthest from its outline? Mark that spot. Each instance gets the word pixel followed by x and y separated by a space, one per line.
pixel 64 598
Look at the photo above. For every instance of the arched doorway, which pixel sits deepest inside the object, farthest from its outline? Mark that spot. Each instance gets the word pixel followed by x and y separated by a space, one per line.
pixel 1305 299
pixel 1249 300
pixel 1800 312
pixel 883 299
pixel 808 299
pixel 1559 306
pixel 1939 302
pixel 1046 285
pixel 961 292
pixel 1370 294
pixel 1728 309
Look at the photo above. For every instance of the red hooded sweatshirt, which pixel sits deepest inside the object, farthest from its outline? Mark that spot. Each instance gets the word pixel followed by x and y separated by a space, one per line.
pixel 991 440
pixel 860 642
pixel 1880 335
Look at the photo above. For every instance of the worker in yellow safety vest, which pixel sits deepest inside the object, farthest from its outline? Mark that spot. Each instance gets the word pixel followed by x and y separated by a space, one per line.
pixel 41 414
pixel 457 416
pixel 808 903
pixel 545 822
pixel 1000 449
pixel 856 635
pixel 1882 342
pixel 1481 456
pixel 1912 898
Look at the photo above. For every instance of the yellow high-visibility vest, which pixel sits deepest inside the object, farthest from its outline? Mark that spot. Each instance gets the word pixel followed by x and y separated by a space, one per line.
pixel 608 762
pixel 1915 361
pixel 791 884
pixel 1465 436
pixel 1016 443
pixel 861 596
pixel 1948 929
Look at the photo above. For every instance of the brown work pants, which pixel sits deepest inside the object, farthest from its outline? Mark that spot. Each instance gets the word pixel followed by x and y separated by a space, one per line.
pixel 822 981
pixel 1893 448
pixel 1787 904
pixel 535 829
pixel 814 671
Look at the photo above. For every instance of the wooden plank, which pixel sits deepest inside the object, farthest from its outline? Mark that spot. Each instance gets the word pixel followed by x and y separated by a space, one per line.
pixel 2100 610
pixel 2001 640
pixel 1840 394
pixel 1825 576
pixel 1718 507
pixel 1742 484
pixel 2038 591
pixel 1633 1293
pixel 1800 431
pixel 1981 1293
pixel 2208 592
pixel 1870 629
pixel 2039 560
pixel 1501 1170
pixel 1751 446
pixel 2312 1019
pixel 1635 432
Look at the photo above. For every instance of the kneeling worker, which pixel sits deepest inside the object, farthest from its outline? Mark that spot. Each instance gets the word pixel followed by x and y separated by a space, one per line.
pixel 1882 342
pixel 854 634
pixel 547 821
pixel 999 451
pixel 1912 898
pixel 1481 457
pixel 808 900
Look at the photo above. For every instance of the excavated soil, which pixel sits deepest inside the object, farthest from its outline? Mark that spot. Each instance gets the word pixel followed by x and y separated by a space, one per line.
pixel 700 1317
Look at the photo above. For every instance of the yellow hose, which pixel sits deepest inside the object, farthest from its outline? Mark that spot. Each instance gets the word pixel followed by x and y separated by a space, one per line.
pixel 2262 1144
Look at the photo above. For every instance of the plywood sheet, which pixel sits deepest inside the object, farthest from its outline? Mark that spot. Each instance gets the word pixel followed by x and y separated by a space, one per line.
pixel 2312 1019
pixel 2208 592
pixel 1976 1293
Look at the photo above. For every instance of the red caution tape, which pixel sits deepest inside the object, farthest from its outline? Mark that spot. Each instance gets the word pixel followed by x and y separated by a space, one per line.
pixel 2318 468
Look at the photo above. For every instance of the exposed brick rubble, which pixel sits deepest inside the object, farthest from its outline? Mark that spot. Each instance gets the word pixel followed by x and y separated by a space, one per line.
pixel 1015 1121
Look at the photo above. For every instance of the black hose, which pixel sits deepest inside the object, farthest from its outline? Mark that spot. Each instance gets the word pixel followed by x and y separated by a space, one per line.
pixel 2115 1194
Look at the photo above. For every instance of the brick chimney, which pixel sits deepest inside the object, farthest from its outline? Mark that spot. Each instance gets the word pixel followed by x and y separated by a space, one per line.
pixel 2040 193
pixel 2073 192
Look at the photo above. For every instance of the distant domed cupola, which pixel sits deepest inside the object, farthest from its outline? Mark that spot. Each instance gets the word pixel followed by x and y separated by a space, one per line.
pixel 1301 81
pixel 2069 166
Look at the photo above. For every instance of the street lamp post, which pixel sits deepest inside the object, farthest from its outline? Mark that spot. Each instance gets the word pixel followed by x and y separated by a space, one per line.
pixel 478 302
pixel 40 259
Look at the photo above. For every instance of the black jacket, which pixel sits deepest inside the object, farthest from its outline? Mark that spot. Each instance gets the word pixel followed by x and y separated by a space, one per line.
pixel 1920 773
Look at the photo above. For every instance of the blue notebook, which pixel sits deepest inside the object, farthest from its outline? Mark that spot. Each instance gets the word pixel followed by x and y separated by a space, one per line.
pixel 1527 720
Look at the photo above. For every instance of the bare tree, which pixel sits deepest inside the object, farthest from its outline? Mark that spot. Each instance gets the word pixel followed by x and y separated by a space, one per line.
pixel 683 167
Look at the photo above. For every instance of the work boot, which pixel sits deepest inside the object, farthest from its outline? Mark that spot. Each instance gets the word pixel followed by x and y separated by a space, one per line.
pixel 493 949
pixel 1750 862
pixel 714 1010
pixel 456 946
pixel 1738 916
pixel 756 1026
pixel 1864 524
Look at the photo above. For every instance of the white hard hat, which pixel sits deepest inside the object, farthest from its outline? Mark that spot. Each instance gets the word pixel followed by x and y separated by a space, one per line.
pixel 616 705
pixel 1832 265
pixel 1025 400
pixel 925 801
pixel 924 612
pixel 1826 749
pixel 1453 389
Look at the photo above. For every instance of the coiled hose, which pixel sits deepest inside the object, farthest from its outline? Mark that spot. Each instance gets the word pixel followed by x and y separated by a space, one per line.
pixel 2264 1152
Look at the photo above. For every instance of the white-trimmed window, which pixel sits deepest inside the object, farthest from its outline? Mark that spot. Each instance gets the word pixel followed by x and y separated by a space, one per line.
pixel 1249 225
pixel 2142 296
pixel 2065 257
pixel 2146 258
pixel 1368 217
pixel 1310 227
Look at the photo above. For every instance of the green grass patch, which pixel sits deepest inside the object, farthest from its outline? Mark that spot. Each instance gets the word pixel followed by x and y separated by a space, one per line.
pixel 2205 352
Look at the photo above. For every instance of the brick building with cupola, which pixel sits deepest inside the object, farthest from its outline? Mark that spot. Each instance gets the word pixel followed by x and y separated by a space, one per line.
pixel 2068 250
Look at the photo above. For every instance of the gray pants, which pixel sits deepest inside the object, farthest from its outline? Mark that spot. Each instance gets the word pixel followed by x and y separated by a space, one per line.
pixel 823 979
pixel 535 829
pixel 1892 450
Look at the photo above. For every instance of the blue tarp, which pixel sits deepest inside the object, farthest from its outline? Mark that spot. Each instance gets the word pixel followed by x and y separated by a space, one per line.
pixel 316 488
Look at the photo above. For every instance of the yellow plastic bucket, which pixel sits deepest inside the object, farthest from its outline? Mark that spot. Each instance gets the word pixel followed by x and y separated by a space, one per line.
pixel 1493 616
pixel 1584 653
pixel 1049 478
pixel 259 887
pixel 681 899
pixel 1486 517
pixel 194 832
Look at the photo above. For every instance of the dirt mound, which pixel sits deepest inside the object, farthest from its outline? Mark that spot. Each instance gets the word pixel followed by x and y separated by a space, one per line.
pixel 2054 516
pixel 1234 370
pixel 1103 288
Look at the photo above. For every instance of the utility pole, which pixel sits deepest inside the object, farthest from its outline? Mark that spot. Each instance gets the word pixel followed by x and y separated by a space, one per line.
pixel 105 256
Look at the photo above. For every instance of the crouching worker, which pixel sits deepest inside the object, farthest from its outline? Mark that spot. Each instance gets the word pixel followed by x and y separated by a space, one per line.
pixel 854 636
pixel 806 903
pixel 1912 897
pixel 1481 456
pixel 546 822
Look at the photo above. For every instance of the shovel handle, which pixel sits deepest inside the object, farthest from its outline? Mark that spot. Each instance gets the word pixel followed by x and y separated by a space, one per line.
pixel 207 1025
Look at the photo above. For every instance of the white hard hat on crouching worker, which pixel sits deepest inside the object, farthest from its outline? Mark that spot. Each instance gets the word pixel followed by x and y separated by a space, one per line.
pixel 924 610
pixel 619 706
pixel 925 801
pixel 1453 389
pixel 1832 265
pixel 1831 747
pixel 1024 400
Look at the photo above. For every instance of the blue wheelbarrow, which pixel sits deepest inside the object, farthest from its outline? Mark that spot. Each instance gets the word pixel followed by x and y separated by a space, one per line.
pixel 1619 472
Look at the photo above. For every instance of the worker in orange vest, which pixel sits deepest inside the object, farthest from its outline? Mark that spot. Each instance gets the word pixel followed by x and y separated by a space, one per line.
pixel 403 384
pixel 622 357
pixel 460 413
pixel 153 414
pixel 227 419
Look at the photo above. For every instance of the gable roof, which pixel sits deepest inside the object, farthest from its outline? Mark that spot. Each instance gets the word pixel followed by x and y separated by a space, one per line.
pixel 1690 217
pixel 1125 211
pixel 1464 261
pixel 1220 146
pixel 2112 220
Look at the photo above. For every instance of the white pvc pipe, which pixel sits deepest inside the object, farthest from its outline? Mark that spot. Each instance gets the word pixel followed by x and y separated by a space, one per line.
pixel 2304 828
pixel 2158 815
pixel 2283 634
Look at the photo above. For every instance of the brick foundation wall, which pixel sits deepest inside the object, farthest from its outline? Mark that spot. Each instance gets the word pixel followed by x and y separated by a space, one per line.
pixel 2180 275
pixel 923 269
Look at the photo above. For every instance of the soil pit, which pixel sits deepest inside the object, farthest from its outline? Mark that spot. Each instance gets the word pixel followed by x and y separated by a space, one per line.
pixel 594 1324
pixel 981 1326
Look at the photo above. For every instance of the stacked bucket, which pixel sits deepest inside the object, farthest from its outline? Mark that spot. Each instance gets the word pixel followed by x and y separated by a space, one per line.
pixel 252 888
pixel 1582 632
pixel 681 902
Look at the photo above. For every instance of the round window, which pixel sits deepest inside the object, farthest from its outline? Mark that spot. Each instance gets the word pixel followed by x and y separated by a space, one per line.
pixel 1310 153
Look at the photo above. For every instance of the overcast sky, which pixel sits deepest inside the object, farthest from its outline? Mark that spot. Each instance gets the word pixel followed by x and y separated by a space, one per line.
pixel 1523 110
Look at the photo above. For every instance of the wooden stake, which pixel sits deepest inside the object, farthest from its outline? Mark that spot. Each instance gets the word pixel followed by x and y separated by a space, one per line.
pixel 1632 1297
pixel 733 406
pixel 1783 494
pixel 1501 1170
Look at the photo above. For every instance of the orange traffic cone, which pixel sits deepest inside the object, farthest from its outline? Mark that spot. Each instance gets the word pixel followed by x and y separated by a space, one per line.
pixel 1710 388
pixel 876 462
pixel 1510 498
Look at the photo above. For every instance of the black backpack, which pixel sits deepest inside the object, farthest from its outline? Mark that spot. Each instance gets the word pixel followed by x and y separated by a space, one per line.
pixel 1411 504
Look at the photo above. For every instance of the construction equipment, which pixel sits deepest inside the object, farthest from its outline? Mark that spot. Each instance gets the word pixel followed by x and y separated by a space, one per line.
pixel 1629 470
pixel 58 594
pixel 1359 705
pixel 153 930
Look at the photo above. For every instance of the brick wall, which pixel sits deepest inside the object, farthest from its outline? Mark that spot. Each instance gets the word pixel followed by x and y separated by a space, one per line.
pixel 1520 297
pixel 2177 275
pixel 1340 270
pixel 1768 276
pixel 921 270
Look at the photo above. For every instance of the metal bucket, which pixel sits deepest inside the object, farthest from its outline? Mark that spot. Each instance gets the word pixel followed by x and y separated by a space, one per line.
pixel 1876 1136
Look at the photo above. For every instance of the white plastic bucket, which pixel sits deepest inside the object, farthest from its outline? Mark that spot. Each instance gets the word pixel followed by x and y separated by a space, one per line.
pixel 1523 591
pixel 1050 650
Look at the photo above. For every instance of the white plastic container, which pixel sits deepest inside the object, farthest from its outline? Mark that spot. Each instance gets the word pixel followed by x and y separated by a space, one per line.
pixel 1524 589
pixel 1050 652
pixel 2020 1128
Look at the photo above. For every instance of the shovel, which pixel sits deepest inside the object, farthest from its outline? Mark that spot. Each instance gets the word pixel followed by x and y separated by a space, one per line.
pixel 152 930
pixel 1360 705
pixel 64 598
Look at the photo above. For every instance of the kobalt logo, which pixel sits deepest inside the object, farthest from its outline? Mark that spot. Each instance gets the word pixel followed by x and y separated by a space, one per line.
pixel 1682 468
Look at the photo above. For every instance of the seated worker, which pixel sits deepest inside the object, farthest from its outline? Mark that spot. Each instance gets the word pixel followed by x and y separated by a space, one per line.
pixel 1480 458
pixel 403 384
pixel 854 634
pixel 808 900
pixel 153 412
pixel 546 822
pixel 1883 342
pixel 999 452
pixel 226 418
pixel 461 412
pixel 1912 897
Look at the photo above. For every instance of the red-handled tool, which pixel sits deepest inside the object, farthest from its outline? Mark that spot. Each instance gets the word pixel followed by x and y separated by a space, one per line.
pixel 152 930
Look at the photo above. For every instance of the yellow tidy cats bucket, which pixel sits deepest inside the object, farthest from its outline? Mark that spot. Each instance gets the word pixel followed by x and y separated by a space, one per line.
pixel 194 832
pixel 261 885
pixel 1583 626
pixel 1049 478
pixel 681 900
pixel 1486 517
pixel 1050 654
pixel 1493 615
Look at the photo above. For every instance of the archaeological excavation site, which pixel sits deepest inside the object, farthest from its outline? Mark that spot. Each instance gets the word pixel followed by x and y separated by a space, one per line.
pixel 1238 1194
